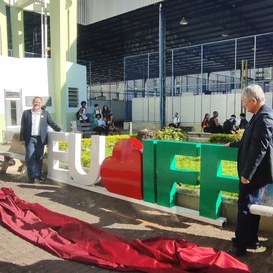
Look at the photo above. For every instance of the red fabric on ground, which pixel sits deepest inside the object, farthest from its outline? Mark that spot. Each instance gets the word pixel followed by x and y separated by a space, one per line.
pixel 72 239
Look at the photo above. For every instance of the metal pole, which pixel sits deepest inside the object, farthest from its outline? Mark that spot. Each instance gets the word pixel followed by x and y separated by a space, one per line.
pixel 173 80
pixel 162 65
pixel 125 92
pixel 45 33
pixel 42 30
pixel 254 57
pixel 202 93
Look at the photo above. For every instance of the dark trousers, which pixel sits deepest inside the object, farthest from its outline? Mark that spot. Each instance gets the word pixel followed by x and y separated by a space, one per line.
pixel 247 224
pixel 34 157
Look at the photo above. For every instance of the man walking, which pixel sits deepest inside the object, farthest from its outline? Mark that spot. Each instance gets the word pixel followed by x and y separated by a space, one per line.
pixel 33 134
pixel 255 167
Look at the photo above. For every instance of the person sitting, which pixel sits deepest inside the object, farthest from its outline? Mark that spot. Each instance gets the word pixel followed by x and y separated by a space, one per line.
pixel 229 125
pixel 205 123
pixel 106 113
pixel 176 121
pixel 96 110
pixel 99 125
pixel 81 114
pixel 243 121
pixel 112 127
pixel 214 126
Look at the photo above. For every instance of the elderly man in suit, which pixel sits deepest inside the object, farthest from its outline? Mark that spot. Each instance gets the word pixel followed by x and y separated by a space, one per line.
pixel 255 167
pixel 33 134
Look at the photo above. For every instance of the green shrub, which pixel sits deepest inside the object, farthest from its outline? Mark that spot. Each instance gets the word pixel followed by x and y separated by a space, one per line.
pixel 225 138
pixel 170 133
pixel 111 141
pixel 86 147
pixel 85 159
pixel 63 145
pixel 145 134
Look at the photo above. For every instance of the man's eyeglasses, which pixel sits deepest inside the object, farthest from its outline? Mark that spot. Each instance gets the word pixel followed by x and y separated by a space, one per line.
pixel 244 102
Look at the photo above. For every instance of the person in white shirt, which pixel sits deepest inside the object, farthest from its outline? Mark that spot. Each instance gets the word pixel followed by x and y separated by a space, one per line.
pixel 33 135
pixel 176 121
pixel 99 125
pixel 82 113
pixel 96 110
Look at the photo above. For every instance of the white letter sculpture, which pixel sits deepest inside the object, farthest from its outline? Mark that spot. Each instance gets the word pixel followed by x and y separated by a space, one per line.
pixel 74 174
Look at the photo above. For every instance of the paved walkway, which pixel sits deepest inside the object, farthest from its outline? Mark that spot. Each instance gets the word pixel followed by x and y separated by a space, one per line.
pixel 120 217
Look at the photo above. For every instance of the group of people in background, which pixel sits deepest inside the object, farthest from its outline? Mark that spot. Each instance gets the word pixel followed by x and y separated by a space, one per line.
pixel 103 122
pixel 212 125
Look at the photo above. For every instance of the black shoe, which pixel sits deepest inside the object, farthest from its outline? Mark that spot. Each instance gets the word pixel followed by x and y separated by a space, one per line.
pixel 236 251
pixel 254 245
pixel 41 178
pixel 250 245
pixel 31 180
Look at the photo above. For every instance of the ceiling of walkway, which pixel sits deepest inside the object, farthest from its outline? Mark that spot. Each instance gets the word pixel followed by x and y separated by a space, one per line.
pixel 106 43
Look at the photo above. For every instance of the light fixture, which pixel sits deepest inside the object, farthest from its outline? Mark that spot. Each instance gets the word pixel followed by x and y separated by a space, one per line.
pixel 183 21
pixel 224 34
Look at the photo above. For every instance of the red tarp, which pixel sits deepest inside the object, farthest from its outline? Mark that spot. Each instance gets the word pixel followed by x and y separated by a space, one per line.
pixel 72 239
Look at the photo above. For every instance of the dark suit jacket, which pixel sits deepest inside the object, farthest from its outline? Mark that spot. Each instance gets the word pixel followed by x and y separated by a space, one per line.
pixel 255 154
pixel 26 123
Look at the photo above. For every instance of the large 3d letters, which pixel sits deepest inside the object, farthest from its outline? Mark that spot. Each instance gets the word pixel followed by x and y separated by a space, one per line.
pixel 212 180
pixel 164 174
pixel 151 176
pixel 75 174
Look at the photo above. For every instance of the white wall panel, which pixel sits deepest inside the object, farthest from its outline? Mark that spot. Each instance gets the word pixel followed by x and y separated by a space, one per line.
pixel 205 105
pixel 197 109
pixel 145 108
pixel 151 109
pixel 173 104
pixel 187 109
pixel 157 109
pixel 218 103
pixel 136 109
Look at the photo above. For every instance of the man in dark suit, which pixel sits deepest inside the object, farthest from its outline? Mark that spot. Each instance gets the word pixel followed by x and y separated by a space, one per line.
pixel 33 134
pixel 255 167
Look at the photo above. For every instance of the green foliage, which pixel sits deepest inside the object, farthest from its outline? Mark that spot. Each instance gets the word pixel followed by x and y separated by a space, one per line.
pixel 170 133
pixel 188 162
pixel 229 168
pixel 63 145
pixel 193 163
pixel 85 159
pixel 225 138
pixel 86 147
pixel 145 134
pixel 111 141
pixel 86 144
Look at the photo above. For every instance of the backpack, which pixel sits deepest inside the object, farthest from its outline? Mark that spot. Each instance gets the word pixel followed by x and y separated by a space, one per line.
pixel 228 126
pixel 78 114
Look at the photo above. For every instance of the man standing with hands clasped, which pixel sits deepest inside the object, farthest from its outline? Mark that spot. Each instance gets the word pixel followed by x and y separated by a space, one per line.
pixel 33 134
pixel 255 167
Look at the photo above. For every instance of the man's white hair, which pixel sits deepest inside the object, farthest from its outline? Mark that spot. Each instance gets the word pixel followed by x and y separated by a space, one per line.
pixel 254 91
